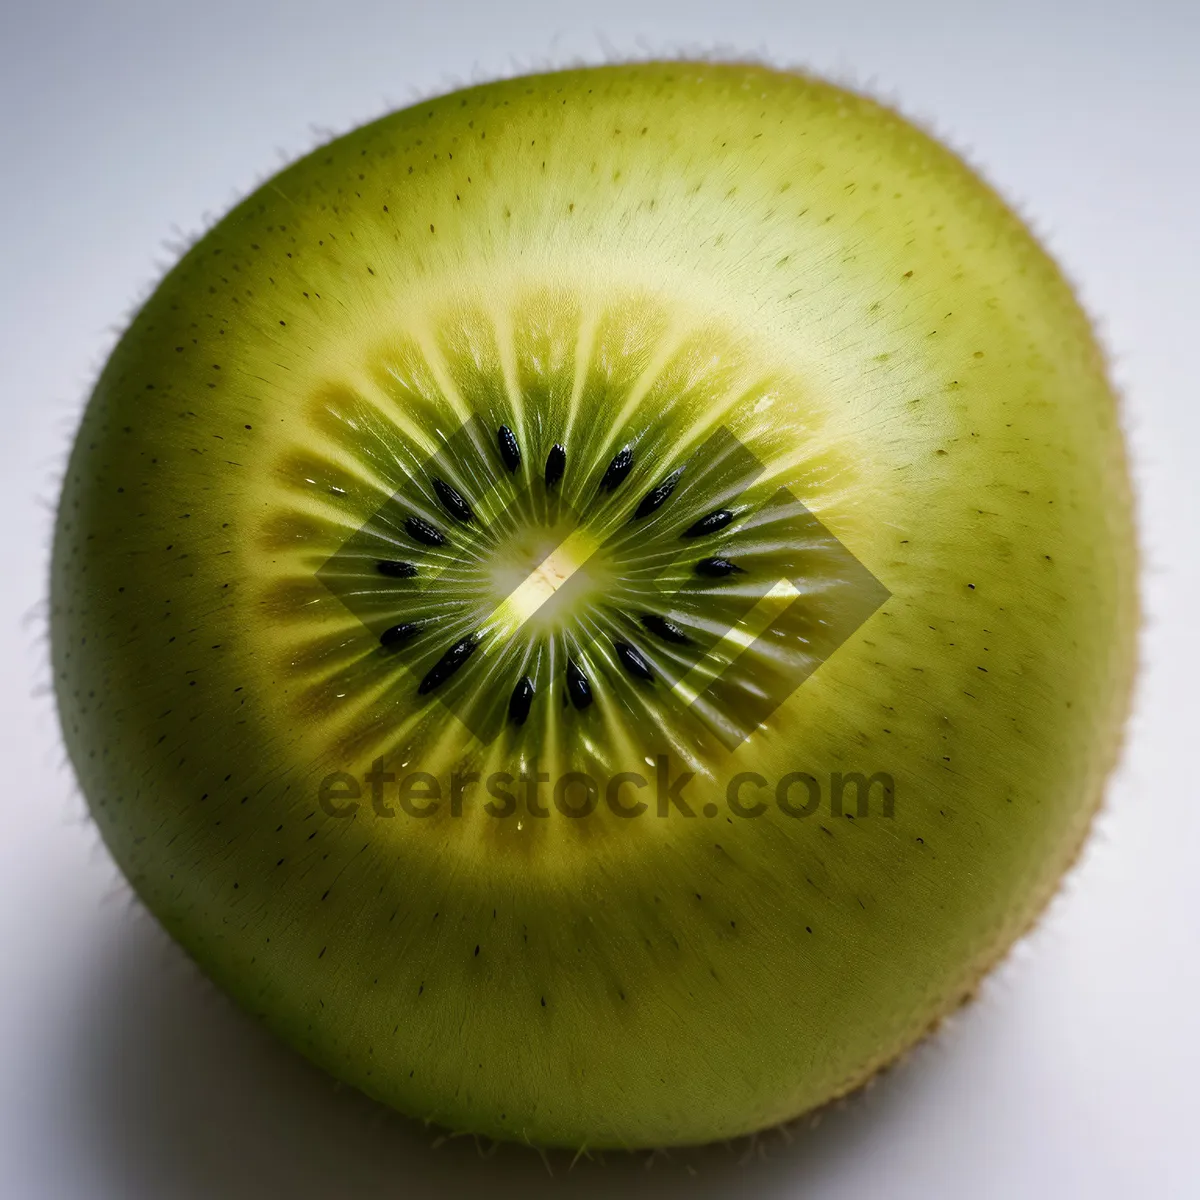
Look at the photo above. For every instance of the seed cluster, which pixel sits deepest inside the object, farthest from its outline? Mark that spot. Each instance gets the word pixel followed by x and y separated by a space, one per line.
pixel 578 688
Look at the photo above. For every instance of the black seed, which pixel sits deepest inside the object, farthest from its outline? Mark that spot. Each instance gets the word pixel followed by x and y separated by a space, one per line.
pixel 448 664
pixel 452 501
pixel 633 662
pixel 397 635
pixel 520 700
pixel 509 450
pixel 656 497
pixel 667 630
pixel 716 568
pixel 710 524
pixel 422 531
pixel 394 569
pixel 615 472
pixel 578 687
pixel 556 464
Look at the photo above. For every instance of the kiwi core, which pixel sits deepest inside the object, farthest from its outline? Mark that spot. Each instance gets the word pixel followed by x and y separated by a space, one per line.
pixel 533 599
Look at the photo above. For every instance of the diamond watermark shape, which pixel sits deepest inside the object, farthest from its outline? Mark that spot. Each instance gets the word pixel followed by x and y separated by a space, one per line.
pixel 759 606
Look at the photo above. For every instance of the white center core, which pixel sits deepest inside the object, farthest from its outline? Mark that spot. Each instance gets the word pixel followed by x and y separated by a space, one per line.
pixel 544 582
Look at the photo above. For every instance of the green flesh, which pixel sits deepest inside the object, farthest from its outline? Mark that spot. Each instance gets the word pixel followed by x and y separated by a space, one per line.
pixel 642 256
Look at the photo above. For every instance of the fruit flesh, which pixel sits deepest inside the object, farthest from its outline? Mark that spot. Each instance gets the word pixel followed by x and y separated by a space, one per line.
pixel 661 247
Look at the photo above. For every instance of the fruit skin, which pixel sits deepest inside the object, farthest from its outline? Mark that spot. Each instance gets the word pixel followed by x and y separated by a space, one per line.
pixel 699 979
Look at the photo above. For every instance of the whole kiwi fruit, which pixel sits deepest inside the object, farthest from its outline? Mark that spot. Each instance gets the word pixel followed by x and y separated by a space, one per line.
pixel 599 605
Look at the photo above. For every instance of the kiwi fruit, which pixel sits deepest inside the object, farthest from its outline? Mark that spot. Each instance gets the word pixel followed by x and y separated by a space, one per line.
pixel 599 605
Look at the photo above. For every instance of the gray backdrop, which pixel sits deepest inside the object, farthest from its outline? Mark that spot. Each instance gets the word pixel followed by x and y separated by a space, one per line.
pixel 121 124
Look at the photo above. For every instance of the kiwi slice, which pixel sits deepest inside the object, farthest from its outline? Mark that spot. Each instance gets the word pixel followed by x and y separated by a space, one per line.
pixel 600 604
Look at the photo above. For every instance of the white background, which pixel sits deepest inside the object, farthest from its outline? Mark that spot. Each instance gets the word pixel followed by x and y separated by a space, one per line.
pixel 125 1075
